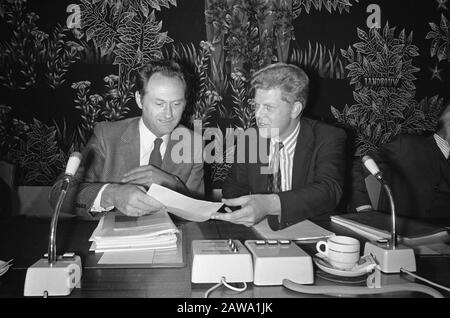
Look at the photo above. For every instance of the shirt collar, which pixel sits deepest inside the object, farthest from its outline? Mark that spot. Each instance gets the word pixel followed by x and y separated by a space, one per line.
pixel 443 145
pixel 290 141
pixel 147 137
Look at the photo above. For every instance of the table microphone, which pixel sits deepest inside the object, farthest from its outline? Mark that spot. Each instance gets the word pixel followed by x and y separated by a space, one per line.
pixel 51 275
pixel 370 165
pixel 71 168
pixel 391 257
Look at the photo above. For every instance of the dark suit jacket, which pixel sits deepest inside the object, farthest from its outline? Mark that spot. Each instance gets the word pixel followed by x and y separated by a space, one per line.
pixel 317 176
pixel 418 174
pixel 114 149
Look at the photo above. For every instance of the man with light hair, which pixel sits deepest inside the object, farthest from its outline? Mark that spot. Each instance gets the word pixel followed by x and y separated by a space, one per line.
pixel 304 176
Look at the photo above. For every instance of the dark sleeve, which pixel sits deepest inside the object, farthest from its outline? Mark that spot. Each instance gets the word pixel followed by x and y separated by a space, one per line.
pixel 323 194
pixel 84 187
pixel 384 157
pixel 359 195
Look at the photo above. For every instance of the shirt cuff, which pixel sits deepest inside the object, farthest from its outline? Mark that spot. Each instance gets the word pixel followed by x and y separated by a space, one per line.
pixel 96 206
pixel 363 207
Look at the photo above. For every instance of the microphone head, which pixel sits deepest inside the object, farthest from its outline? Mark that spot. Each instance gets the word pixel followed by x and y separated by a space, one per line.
pixel 370 164
pixel 73 163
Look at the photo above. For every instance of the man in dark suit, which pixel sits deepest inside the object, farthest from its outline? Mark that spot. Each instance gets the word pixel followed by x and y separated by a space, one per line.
pixel 122 159
pixel 417 168
pixel 306 157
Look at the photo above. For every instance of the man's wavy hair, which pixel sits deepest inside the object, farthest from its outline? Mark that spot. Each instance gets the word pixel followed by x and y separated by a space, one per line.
pixel 290 79
pixel 167 68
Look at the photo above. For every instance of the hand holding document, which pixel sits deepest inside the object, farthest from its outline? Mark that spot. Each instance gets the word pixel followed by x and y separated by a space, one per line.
pixel 183 206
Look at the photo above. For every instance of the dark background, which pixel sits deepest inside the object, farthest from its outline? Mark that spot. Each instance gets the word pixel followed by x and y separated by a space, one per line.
pixel 185 24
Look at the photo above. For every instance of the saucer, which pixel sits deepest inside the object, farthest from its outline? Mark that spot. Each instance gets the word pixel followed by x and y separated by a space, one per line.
pixel 322 262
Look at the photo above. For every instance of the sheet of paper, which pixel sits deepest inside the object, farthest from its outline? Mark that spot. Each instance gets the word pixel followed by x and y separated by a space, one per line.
pixel 170 241
pixel 366 232
pixel 302 231
pixel 136 257
pixel 183 206
pixel 439 248
pixel 124 257
pixel 156 224
pixel 124 222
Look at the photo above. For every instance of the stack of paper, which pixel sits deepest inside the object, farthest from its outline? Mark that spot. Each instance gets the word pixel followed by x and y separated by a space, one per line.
pixel 116 232
pixel 304 231
pixel 376 225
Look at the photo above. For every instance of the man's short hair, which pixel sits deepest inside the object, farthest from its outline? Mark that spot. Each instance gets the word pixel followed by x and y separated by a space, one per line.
pixel 290 79
pixel 167 68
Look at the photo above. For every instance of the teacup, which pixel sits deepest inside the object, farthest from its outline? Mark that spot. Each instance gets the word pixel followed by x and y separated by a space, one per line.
pixel 342 252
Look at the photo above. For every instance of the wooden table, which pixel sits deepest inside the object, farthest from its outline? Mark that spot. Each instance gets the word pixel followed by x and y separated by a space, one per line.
pixel 26 239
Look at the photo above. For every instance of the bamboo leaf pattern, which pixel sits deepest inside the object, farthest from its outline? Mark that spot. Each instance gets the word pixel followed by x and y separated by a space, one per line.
pixel 327 63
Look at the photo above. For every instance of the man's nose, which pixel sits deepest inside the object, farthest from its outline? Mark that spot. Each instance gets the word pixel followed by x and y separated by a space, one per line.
pixel 259 111
pixel 168 111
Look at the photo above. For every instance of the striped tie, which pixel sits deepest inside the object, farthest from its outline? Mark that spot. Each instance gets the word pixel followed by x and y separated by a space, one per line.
pixel 274 179
pixel 274 183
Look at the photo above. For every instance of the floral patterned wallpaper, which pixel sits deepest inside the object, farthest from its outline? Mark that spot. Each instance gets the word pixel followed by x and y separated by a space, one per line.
pixel 378 68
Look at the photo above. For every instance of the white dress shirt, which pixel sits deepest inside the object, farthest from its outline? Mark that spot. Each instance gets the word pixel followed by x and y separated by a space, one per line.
pixel 443 145
pixel 286 157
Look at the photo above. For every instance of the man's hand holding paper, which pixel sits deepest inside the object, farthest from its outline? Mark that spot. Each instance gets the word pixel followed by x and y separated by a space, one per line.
pixel 183 206
pixel 253 209
pixel 130 199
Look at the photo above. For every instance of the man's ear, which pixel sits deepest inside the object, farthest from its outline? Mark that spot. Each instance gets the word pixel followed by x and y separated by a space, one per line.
pixel 297 109
pixel 137 96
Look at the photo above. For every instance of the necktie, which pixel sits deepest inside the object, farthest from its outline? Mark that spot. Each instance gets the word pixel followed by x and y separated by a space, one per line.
pixel 274 183
pixel 274 179
pixel 155 156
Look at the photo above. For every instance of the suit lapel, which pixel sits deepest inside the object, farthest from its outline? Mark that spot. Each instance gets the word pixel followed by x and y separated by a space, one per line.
pixel 303 153
pixel 167 162
pixel 259 179
pixel 440 169
pixel 129 147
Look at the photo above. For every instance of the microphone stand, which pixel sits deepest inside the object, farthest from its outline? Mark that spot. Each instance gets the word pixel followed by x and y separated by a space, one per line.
pixel 50 275
pixel 52 239
pixel 391 257
pixel 392 205
pixel 392 208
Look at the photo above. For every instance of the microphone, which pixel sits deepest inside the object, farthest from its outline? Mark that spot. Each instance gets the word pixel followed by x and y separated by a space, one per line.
pixel 391 258
pixel 370 165
pixel 72 166
pixel 51 276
